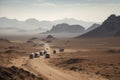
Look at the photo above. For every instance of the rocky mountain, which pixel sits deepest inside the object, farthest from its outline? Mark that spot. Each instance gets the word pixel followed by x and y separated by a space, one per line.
pixel 109 28
pixel 94 26
pixel 66 28
pixel 117 34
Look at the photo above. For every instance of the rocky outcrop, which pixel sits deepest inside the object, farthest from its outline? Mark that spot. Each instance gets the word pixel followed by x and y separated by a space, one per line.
pixel 15 73
pixel 60 28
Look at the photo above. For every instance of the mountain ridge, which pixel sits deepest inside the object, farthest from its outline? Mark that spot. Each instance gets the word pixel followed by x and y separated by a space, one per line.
pixel 66 28
pixel 109 28
pixel 31 25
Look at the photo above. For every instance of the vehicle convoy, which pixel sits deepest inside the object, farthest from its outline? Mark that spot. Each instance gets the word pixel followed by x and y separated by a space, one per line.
pixel 42 52
pixel 38 54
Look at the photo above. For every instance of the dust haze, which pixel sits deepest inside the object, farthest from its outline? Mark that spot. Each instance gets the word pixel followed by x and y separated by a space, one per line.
pixel 59 40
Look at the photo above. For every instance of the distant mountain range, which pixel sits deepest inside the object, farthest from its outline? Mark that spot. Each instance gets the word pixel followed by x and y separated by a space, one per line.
pixel 72 21
pixel 109 28
pixel 66 30
pixel 14 26
pixel 35 26
pixel 64 27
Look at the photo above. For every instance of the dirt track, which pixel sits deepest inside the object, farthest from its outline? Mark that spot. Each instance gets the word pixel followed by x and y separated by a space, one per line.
pixel 50 72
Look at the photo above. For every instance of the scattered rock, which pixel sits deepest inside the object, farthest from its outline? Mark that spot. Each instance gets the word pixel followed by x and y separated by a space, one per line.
pixel 15 73
pixel 4 40
pixel 29 41
pixel 34 38
pixel 11 51
pixel 75 60
pixel 13 47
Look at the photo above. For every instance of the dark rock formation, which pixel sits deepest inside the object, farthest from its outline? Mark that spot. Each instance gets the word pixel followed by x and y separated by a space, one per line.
pixel 109 28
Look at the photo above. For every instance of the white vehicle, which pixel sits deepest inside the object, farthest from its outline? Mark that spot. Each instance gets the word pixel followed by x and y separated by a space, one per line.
pixel 42 52
pixel 47 55
pixel 32 55
pixel 37 54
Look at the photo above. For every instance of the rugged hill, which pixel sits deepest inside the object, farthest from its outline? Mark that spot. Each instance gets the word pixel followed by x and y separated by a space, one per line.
pixel 50 37
pixel 94 26
pixel 60 28
pixel 109 28
pixel 4 40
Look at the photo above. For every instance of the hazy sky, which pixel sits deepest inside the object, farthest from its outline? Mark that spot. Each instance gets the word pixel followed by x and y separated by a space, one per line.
pixel 87 10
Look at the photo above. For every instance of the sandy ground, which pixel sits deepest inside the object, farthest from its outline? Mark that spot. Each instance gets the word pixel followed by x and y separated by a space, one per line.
pixel 87 53
pixel 41 66
pixel 91 56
